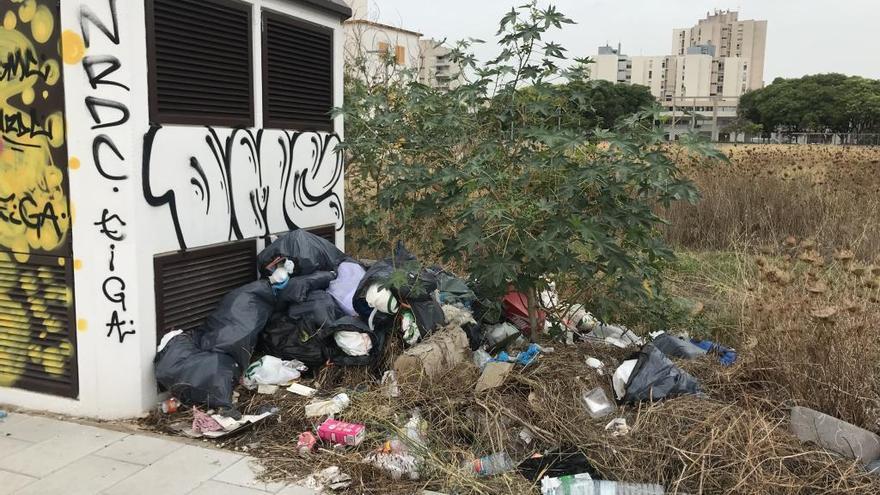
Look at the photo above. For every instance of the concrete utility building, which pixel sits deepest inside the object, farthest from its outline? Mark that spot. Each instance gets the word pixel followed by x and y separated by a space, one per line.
pixel 712 64
pixel 149 149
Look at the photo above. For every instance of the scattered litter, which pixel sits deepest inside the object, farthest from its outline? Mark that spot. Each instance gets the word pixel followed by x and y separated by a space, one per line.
pixel 597 403
pixel 481 358
pixel 169 406
pixel 617 427
pixel 491 465
pixel 389 382
pixel 328 407
pixel 621 377
pixel 382 300
pixel 396 465
pixel 301 390
pixel 553 464
pixel 835 435
pixel 439 353
pixel 597 365
pixel 166 339
pixel 502 336
pixel 524 358
pixel 331 477
pixel 677 347
pixel 516 310
pixel 726 355
pixel 354 343
pixel 229 425
pixel 342 433
pixel 270 370
pixel 583 484
pixel 617 336
pixel 267 389
pixel 493 376
pixel 204 423
pixel 306 443
pixel 526 436
pixel 411 332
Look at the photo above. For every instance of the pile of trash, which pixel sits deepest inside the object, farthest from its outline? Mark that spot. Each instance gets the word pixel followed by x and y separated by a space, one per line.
pixel 389 378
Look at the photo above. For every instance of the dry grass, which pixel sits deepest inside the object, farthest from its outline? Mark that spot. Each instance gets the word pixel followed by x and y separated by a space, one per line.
pixel 770 192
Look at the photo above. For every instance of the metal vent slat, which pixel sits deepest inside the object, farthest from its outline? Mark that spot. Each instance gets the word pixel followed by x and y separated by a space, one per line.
pixel 200 62
pixel 298 72
pixel 190 284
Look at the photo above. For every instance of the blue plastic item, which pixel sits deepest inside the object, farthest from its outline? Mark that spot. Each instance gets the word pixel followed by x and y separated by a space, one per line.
pixel 529 355
pixel 726 355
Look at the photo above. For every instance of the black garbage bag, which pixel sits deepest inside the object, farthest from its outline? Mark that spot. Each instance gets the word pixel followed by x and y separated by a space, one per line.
pixel 299 287
pixel 304 331
pixel 655 377
pixel 454 290
pixel 309 253
pixel 353 324
pixel 194 376
pixel 418 292
pixel 555 464
pixel 676 347
pixel 235 326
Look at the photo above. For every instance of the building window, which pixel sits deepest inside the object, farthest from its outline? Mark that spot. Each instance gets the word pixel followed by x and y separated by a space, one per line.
pixel 200 62
pixel 297 73
pixel 400 55
pixel 384 48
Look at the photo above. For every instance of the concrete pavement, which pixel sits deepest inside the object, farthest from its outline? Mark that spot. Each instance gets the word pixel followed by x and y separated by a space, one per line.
pixel 45 456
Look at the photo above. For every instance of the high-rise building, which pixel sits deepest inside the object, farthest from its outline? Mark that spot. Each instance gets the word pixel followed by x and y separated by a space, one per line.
pixel 712 64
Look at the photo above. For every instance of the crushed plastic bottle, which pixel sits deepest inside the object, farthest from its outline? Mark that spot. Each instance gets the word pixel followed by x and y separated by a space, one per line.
pixel 169 406
pixel 582 484
pixel 491 465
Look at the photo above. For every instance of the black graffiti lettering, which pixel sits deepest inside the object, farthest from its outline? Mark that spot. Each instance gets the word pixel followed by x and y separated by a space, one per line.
pixel 86 14
pixel 111 226
pixel 26 211
pixel 93 103
pixel 6 214
pixel 20 65
pixel 95 78
pixel 15 124
pixel 118 326
pixel 104 140
pixel 117 296
pixel 112 258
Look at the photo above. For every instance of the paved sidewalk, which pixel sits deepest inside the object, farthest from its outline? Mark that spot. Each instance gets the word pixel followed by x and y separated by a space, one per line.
pixel 44 456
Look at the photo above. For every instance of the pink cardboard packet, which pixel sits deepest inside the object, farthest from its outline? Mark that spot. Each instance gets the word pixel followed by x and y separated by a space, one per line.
pixel 342 433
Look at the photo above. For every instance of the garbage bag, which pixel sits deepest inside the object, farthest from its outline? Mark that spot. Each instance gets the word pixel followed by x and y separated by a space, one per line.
pixel 557 463
pixel 380 273
pixel 351 324
pixel 345 285
pixel 454 290
pixel 302 333
pixel 194 376
pixel 677 347
pixel 299 287
pixel 309 253
pixel 655 377
pixel 270 370
pixel 353 343
pixel 235 326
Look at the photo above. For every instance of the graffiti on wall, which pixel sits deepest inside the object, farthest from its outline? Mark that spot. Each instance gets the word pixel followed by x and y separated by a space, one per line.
pixel 247 183
pixel 35 217
pixel 107 114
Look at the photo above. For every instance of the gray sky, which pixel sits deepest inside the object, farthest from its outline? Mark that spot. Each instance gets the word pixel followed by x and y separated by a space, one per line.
pixel 804 36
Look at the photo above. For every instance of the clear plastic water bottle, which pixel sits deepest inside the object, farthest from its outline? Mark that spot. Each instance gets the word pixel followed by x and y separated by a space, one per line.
pixel 491 465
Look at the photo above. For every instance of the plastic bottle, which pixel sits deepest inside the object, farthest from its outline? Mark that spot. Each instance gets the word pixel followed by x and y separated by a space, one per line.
pixel 169 406
pixel 494 464
pixel 328 407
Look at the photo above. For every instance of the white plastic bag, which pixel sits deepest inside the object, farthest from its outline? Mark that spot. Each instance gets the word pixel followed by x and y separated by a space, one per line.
pixel 354 343
pixel 270 370
pixel 382 299
pixel 621 377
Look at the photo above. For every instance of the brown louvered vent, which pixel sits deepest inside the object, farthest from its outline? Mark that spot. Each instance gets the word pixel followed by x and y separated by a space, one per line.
pixel 37 332
pixel 190 284
pixel 200 62
pixel 297 73
pixel 327 232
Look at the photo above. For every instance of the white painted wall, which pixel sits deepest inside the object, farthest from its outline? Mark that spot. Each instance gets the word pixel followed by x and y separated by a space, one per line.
pixel 115 369
pixel 363 38
pixel 650 72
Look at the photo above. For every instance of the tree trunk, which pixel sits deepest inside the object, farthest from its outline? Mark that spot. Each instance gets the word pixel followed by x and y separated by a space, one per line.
pixel 533 313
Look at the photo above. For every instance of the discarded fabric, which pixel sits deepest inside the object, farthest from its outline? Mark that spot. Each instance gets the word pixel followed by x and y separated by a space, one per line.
pixel 677 347
pixel 726 355
pixel 344 286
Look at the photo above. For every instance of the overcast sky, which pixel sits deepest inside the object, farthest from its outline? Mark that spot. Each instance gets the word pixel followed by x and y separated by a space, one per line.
pixel 804 36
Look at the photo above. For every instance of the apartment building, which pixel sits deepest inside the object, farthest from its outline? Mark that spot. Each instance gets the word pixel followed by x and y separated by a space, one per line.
pixel 699 84
pixel 424 58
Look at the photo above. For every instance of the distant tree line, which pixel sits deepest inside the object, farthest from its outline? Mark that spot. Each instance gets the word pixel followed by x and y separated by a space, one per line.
pixel 833 103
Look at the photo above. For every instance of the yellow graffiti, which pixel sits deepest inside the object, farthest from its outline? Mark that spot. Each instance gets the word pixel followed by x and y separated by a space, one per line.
pixel 34 214
pixel 73 47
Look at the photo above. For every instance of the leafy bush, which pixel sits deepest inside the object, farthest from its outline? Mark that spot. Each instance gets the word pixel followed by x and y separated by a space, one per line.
pixel 506 178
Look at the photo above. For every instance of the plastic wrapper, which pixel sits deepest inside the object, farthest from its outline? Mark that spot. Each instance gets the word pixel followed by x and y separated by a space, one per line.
pixel 270 370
